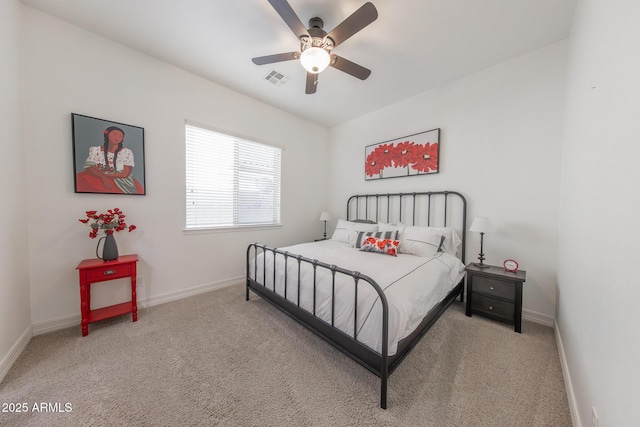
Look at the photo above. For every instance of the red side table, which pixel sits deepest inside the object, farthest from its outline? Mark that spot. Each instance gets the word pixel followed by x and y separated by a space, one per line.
pixel 97 270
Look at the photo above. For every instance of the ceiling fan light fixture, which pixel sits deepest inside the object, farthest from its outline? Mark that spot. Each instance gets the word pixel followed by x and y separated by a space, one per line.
pixel 315 59
pixel 316 45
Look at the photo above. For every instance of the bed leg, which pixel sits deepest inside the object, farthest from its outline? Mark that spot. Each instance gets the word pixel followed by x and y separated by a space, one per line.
pixel 383 393
pixel 247 289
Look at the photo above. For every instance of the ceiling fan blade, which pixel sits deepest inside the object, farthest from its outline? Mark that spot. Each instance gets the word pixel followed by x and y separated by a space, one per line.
pixel 354 23
pixel 312 83
pixel 349 67
pixel 279 57
pixel 290 18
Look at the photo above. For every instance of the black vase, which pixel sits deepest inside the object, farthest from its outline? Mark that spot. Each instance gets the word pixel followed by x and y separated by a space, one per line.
pixel 110 248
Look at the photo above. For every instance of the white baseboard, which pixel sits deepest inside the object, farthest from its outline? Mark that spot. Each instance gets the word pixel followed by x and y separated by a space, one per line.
pixel 15 351
pixel 56 324
pixel 75 320
pixel 174 296
pixel 571 397
pixel 540 318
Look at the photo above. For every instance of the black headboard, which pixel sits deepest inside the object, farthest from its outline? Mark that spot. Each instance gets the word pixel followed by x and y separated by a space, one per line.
pixel 429 208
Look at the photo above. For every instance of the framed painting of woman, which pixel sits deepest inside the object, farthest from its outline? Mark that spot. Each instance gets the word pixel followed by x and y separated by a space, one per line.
pixel 108 157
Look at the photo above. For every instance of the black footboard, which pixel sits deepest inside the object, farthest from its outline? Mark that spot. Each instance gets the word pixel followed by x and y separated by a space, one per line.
pixel 378 363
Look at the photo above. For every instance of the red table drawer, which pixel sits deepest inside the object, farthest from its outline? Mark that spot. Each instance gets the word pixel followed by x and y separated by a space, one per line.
pixel 108 273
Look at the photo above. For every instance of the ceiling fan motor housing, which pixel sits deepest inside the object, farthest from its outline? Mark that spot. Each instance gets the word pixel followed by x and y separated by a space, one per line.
pixel 316 22
pixel 318 37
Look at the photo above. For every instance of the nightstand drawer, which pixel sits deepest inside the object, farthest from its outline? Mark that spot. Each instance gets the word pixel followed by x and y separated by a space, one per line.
pixel 494 288
pixel 492 307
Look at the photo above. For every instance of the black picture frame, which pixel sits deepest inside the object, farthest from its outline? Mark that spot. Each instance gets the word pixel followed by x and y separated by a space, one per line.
pixel 93 171
pixel 411 155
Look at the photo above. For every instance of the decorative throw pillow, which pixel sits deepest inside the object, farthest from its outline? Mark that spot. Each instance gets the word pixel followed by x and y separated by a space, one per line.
pixel 380 246
pixel 362 235
pixel 347 231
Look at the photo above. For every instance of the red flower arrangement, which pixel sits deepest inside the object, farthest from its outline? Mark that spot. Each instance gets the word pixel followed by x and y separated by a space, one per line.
pixel 110 222
pixel 420 157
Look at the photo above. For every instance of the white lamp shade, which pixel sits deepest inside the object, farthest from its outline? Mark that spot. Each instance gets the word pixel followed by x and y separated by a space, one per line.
pixel 324 216
pixel 315 59
pixel 482 225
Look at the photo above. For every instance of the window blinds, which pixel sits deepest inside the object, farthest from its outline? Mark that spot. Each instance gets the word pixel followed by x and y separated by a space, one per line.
pixel 230 181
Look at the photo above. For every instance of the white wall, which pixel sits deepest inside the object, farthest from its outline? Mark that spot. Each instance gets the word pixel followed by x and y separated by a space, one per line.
pixel 71 70
pixel 597 314
pixel 501 131
pixel 15 310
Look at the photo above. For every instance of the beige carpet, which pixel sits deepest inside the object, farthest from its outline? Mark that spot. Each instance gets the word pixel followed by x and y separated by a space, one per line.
pixel 215 359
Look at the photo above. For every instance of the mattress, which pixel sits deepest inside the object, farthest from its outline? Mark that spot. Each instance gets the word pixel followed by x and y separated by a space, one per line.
pixel 413 285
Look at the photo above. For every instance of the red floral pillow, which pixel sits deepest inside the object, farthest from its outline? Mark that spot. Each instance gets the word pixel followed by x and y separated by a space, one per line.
pixel 380 246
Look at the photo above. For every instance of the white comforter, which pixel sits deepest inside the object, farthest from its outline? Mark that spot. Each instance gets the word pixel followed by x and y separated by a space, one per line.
pixel 412 285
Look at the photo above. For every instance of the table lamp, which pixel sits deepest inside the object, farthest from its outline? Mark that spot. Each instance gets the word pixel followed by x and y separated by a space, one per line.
pixel 481 225
pixel 324 216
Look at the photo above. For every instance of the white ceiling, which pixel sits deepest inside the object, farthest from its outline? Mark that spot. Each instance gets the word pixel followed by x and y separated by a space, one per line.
pixel 413 46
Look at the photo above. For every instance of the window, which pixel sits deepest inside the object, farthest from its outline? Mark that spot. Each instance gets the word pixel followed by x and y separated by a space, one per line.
pixel 231 182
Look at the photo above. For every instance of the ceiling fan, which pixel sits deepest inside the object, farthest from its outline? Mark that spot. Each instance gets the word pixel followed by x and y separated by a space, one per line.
pixel 316 44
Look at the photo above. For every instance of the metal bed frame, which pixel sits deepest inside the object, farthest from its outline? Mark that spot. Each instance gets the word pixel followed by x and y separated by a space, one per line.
pixel 440 206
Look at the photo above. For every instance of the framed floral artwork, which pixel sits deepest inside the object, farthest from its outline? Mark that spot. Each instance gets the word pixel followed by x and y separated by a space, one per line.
pixel 108 157
pixel 416 154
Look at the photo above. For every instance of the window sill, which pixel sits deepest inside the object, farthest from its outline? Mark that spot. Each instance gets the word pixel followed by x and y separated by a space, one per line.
pixel 232 228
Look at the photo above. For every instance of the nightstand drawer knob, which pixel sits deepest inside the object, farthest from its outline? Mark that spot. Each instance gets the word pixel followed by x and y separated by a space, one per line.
pixel 490 307
pixel 107 272
pixel 492 288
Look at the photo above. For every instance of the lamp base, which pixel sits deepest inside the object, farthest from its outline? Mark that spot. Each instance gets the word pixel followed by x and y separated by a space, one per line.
pixel 479 265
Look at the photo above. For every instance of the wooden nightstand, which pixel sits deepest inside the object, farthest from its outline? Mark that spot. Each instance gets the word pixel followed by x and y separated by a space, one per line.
pixel 495 293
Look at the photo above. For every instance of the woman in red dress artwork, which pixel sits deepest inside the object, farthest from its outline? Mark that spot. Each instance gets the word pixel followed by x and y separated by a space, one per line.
pixel 108 168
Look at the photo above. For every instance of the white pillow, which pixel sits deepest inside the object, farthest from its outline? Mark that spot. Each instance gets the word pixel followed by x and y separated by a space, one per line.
pixel 383 226
pixel 450 245
pixel 347 231
pixel 420 241
pixel 451 239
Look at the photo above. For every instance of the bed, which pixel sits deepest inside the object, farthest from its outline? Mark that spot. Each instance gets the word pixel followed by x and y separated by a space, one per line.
pixel 348 290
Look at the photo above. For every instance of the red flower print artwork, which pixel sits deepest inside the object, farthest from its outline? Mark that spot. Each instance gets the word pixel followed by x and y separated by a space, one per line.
pixel 416 154
pixel 426 158
pixel 404 154
pixel 380 158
